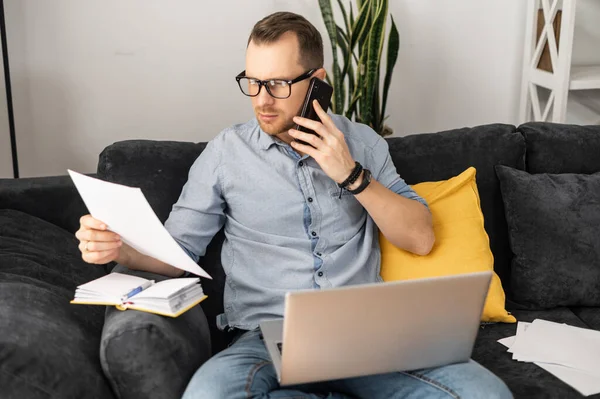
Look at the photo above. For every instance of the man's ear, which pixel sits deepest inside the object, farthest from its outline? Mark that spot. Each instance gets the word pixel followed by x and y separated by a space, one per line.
pixel 320 73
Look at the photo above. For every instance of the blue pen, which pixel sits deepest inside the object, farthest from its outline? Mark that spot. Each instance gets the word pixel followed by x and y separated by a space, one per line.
pixel 137 290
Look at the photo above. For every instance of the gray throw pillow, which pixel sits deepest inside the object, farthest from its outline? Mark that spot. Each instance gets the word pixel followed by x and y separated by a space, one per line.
pixel 554 230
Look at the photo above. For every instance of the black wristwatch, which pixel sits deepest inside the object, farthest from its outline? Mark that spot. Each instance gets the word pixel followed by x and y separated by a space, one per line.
pixel 365 182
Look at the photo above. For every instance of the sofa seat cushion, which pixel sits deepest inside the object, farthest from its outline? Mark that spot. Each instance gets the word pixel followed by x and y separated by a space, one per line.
pixel 525 380
pixel 554 225
pixel 48 347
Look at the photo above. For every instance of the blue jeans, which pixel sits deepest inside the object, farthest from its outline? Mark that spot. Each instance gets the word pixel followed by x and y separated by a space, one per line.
pixel 244 370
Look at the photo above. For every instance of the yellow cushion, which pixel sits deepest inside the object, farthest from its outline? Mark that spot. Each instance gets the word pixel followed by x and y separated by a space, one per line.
pixel 461 243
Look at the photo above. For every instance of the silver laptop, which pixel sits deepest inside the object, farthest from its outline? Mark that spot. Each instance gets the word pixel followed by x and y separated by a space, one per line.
pixel 376 328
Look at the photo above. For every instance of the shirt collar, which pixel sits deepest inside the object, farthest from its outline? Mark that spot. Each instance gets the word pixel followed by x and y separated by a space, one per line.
pixel 266 141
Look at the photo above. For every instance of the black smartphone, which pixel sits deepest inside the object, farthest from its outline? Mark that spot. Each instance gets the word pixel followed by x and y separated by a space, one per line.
pixel 317 90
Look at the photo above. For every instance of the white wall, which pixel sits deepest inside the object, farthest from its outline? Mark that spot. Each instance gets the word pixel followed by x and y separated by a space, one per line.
pixel 88 73
pixel 5 156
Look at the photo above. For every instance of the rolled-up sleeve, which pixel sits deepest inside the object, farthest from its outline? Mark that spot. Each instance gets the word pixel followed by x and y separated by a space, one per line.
pixel 384 171
pixel 199 214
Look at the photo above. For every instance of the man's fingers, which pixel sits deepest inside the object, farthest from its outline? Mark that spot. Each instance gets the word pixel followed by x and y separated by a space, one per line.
pixel 309 138
pixel 100 257
pixel 326 119
pixel 96 235
pixel 306 149
pixel 96 246
pixel 312 125
pixel 91 223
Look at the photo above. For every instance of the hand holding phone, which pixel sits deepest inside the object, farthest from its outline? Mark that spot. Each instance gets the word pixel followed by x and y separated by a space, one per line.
pixel 317 90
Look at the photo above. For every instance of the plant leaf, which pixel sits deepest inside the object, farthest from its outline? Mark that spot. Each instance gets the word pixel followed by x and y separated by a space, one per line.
pixel 392 57
pixel 374 49
pixel 328 80
pixel 344 15
pixel 351 81
pixel 359 89
pixel 343 44
pixel 360 28
pixel 352 107
pixel 341 36
pixel 327 14
pixel 375 108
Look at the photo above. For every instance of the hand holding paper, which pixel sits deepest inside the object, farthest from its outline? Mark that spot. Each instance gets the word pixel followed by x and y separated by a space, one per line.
pixel 126 212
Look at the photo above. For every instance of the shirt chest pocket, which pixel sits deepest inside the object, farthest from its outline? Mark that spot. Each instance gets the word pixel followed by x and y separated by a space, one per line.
pixel 349 215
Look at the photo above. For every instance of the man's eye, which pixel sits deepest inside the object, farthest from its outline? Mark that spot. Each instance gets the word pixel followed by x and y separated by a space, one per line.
pixel 278 83
pixel 253 81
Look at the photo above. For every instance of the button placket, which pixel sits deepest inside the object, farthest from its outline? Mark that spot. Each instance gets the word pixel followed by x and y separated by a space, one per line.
pixel 308 189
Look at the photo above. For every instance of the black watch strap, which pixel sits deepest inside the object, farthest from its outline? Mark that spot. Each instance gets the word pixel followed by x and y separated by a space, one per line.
pixel 365 182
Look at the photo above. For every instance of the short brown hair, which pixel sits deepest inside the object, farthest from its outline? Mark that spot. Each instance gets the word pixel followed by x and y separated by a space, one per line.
pixel 272 27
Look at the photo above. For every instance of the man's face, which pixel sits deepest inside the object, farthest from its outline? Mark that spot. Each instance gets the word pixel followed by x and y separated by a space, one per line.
pixel 278 60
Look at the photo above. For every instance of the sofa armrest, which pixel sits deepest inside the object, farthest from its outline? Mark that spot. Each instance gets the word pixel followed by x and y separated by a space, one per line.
pixel 144 355
pixel 53 199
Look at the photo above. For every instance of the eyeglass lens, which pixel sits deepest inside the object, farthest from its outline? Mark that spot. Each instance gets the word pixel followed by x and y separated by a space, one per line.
pixel 277 88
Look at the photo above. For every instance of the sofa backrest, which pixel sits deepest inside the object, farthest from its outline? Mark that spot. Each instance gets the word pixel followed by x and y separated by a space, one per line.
pixel 160 169
pixel 561 148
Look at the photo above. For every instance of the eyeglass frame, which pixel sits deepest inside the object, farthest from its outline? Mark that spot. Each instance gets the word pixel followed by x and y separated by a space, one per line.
pixel 261 83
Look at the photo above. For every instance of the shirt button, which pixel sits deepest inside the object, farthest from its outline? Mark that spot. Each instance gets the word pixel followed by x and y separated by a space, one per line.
pixel 320 274
pixel 314 234
pixel 319 254
pixel 301 163
pixel 310 199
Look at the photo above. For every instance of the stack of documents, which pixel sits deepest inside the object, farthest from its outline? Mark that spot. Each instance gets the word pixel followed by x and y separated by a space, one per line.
pixel 570 353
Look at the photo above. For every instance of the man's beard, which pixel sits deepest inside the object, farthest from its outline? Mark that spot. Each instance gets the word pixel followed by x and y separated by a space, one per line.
pixel 276 127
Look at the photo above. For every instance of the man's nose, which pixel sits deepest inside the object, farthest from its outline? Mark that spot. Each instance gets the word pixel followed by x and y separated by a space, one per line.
pixel 264 98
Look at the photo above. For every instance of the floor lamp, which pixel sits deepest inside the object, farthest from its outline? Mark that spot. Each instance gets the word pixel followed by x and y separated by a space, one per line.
pixel 9 104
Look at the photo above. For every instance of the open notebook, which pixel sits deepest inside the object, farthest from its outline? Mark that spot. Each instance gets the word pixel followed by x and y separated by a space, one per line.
pixel 168 298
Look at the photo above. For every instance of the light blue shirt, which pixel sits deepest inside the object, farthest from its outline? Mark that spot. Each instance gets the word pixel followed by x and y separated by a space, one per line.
pixel 285 226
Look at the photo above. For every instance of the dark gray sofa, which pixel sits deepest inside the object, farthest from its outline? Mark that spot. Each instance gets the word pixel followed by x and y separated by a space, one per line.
pixel 51 349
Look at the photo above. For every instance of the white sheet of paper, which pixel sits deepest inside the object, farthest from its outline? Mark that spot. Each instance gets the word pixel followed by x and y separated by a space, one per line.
pixel 584 383
pixel 113 284
pixel 521 328
pixel 548 342
pixel 508 341
pixel 166 288
pixel 126 212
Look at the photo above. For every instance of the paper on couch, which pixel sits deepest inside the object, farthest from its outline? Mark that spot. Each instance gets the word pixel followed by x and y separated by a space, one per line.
pixel 126 212
pixel 583 382
pixel 549 342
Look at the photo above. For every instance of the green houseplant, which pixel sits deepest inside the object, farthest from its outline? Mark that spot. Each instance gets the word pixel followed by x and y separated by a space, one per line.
pixel 357 48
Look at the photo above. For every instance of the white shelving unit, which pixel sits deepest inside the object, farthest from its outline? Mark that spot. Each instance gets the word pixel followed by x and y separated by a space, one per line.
pixel 564 77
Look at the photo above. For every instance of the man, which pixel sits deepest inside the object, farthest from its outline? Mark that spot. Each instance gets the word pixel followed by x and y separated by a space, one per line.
pixel 286 225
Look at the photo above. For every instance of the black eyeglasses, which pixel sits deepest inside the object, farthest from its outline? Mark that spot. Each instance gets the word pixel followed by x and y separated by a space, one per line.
pixel 277 88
